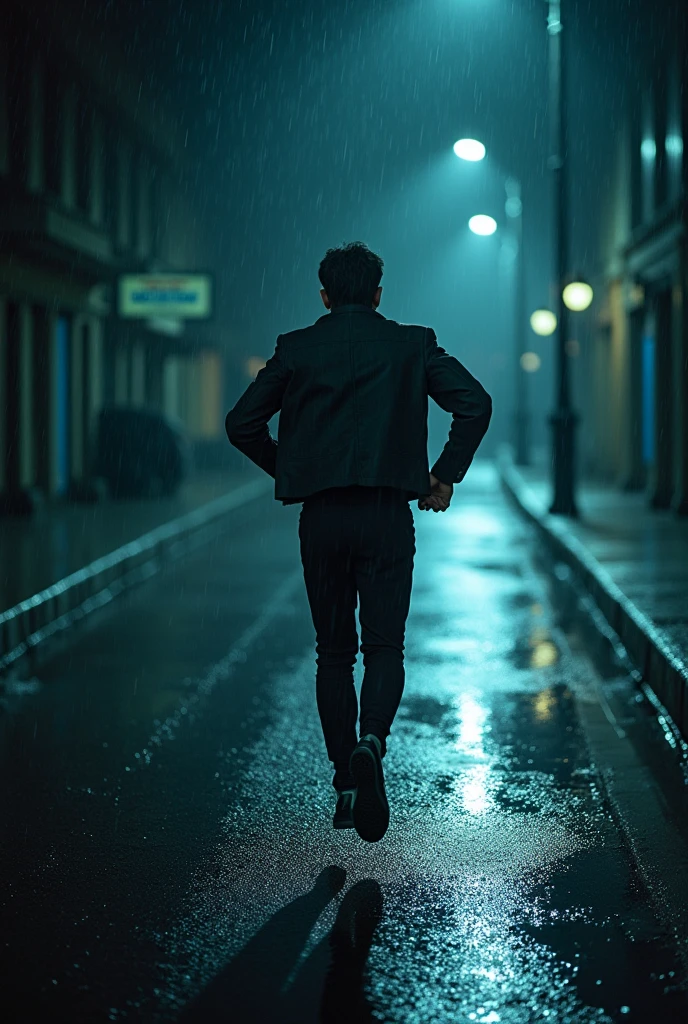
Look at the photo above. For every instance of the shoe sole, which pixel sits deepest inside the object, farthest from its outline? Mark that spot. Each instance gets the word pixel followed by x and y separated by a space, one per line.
pixel 347 824
pixel 370 810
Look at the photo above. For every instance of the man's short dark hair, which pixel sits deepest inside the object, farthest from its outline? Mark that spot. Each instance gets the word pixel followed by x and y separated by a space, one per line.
pixel 350 274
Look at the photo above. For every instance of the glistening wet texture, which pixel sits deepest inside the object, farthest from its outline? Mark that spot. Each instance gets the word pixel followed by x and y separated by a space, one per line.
pixel 218 889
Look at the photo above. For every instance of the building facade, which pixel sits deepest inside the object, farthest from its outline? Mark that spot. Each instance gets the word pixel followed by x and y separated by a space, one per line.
pixel 92 184
pixel 635 409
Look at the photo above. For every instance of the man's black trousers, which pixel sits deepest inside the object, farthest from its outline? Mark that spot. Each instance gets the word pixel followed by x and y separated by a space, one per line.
pixel 357 543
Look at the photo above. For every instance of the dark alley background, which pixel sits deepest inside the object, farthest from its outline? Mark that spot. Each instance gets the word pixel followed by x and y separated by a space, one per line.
pixel 171 175
pixel 308 124
pixel 313 123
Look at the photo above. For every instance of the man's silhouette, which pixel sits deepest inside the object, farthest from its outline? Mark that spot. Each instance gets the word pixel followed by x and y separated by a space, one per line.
pixel 352 446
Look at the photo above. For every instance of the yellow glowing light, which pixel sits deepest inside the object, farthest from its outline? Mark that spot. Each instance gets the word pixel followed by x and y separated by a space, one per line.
pixel 543 705
pixel 636 295
pixel 577 296
pixel 543 322
pixel 544 655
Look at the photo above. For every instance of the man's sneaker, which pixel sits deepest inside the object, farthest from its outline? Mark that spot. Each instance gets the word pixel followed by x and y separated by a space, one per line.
pixel 343 815
pixel 371 810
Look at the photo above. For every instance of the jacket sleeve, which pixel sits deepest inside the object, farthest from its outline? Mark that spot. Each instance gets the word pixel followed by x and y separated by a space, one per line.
pixel 247 423
pixel 456 391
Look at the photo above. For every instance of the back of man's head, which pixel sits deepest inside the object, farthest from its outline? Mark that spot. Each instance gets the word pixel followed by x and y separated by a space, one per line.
pixel 350 274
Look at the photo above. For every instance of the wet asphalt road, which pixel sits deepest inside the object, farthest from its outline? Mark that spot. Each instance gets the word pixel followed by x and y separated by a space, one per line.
pixel 167 849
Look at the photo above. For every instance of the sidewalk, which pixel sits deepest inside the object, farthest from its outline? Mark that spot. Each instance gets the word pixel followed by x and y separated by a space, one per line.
pixel 634 560
pixel 70 559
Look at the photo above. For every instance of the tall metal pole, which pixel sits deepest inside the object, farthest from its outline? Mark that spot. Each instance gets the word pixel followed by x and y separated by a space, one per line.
pixel 563 420
pixel 514 209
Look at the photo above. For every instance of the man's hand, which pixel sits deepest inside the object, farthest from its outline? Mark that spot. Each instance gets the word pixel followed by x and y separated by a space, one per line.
pixel 439 498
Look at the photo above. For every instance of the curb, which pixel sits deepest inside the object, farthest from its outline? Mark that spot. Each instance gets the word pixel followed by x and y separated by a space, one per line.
pixel 31 622
pixel 660 667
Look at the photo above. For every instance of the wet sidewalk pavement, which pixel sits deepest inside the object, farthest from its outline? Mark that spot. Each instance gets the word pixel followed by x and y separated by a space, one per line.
pixel 38 551
pixel 641 551
pixel 168 851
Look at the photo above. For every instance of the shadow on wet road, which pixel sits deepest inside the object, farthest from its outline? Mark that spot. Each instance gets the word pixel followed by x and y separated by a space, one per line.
pixel 327 988
pixel 171 854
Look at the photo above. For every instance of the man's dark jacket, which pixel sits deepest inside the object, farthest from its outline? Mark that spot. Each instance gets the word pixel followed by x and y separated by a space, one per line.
pixel 353 393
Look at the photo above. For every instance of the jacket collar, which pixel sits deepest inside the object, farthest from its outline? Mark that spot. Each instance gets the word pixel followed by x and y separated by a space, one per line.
pixel 351 307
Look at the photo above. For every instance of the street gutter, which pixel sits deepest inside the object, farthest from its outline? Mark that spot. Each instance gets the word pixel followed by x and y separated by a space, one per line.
pixel 646 816
pixel 662 670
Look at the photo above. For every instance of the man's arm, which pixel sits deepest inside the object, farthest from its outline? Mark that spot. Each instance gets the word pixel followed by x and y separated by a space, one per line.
pixel 456 391
pixel 247 423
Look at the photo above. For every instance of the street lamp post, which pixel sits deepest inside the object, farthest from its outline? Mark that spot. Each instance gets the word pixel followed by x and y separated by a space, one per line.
pixel 563 420
pixel 514 210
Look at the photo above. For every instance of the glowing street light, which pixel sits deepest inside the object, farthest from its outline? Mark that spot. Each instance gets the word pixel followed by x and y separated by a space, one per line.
pixel 577 296
pixel 543 322
pixel 481 224
pixel 469 149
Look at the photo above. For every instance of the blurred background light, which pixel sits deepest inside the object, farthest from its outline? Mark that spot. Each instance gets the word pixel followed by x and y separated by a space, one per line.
pixel 636 295
pixel 481 224
pixel 544 704
pixel 530 362
pixel 543 655
pixel 674 145
pixel 469 149
pixel 577 296
pixel 513 206
pixel 543 322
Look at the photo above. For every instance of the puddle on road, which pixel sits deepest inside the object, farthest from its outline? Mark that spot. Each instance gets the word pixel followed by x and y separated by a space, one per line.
pixel 505 894
pixel 485 831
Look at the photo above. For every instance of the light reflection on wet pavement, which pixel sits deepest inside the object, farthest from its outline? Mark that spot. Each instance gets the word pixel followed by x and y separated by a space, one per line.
pixel 502 892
